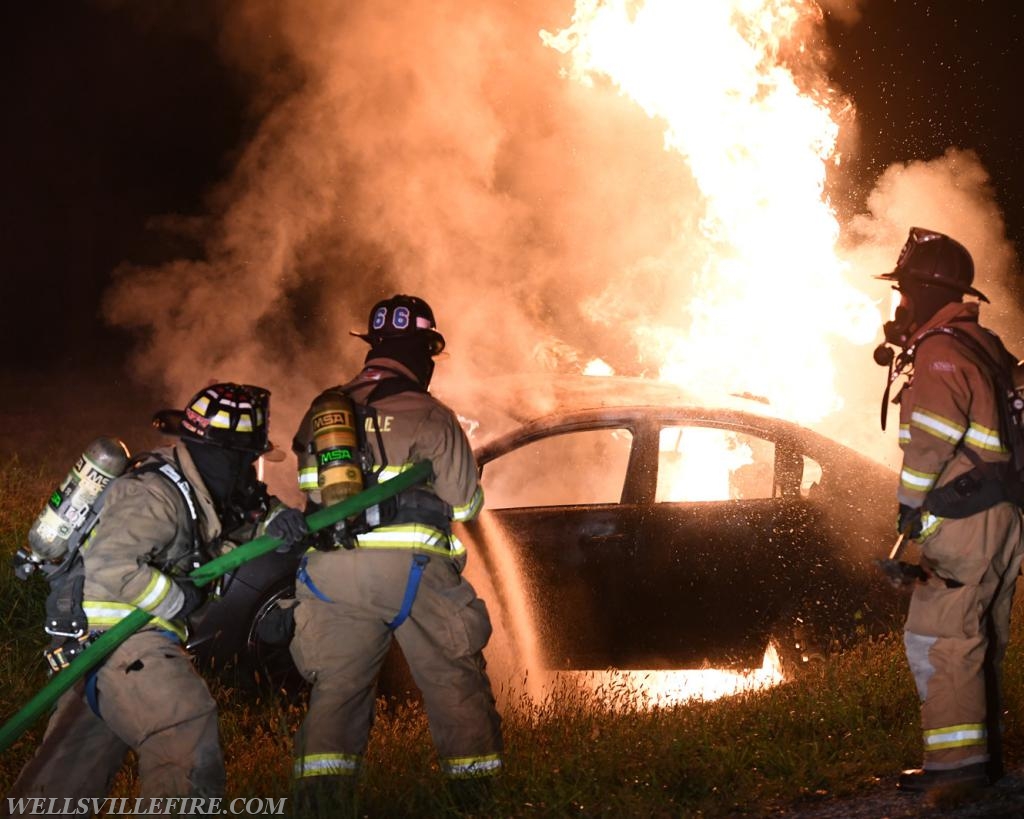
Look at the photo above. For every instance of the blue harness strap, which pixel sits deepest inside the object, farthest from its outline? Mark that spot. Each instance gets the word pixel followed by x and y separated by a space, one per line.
pixel 303 576
pixel 92 695
pixel 419 563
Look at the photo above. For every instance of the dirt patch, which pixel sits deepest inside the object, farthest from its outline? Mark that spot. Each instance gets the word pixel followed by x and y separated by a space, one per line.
pixel 1004 799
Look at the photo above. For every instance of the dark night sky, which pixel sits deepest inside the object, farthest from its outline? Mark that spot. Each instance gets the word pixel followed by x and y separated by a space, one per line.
pixel 115 115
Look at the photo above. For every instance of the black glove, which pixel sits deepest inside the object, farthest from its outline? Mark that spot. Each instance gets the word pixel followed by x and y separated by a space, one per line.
pixel 288 526
pixel 909 516
pixel 194 597
pixel 332 538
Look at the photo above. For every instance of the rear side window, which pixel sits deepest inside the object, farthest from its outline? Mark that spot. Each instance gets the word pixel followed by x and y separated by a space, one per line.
pixel 584 467
pixel 710 464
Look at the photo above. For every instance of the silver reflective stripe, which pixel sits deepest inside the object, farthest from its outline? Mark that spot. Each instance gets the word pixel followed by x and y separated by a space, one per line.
pixel 936 425
pixel 183 486
pixel 983 438
pixel 325 765
pixel 155 592
pixel 473 765
pixel 955 736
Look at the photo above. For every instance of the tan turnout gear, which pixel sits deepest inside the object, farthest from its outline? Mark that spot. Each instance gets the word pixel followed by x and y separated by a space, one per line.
pixel 348 597
pixel 958 624
pixel 148 696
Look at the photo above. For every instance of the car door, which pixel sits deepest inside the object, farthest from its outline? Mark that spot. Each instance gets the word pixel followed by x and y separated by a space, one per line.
pixel 557 500
pixel 720 558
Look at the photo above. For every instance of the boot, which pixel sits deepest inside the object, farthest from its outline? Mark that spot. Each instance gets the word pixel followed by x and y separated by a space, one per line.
pixel 917 780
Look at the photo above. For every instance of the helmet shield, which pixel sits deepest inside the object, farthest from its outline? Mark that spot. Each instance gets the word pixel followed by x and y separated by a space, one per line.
pixel 233 416
pixel 933 259
pixel 403 317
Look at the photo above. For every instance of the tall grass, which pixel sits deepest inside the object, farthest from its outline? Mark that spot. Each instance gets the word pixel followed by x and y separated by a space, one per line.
pixel 840 728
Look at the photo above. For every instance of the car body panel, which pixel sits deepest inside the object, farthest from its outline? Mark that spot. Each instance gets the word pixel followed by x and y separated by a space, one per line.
pixel 627 574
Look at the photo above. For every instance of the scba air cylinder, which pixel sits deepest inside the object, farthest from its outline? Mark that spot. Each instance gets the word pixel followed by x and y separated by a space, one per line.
pixel 70 505
pixel 336 444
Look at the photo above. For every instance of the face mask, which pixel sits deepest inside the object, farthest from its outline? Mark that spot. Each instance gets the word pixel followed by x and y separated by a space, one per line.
pixel 899 330
pixel 230 477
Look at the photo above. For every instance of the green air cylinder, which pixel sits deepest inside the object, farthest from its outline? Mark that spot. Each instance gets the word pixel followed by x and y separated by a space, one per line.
pixel 70 505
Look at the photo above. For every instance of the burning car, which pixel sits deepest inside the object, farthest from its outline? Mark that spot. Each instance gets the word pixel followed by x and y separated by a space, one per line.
pixel 645 532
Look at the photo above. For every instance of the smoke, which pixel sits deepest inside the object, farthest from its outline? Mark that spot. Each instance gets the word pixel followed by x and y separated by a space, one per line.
pixel 434 149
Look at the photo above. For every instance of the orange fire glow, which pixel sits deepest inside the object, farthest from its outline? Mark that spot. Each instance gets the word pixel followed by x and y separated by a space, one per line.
pixel 649 689
pixel 769 294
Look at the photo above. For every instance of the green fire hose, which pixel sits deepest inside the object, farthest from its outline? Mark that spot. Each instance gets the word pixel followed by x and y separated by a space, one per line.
pixel 113 637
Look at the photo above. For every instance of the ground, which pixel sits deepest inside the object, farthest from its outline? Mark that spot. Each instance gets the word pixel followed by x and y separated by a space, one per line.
pixel 1005 799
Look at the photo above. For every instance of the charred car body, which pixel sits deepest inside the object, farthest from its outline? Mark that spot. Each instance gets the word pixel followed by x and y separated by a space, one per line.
pixel 653 533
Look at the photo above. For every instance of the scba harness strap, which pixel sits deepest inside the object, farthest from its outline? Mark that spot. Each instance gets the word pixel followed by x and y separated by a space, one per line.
pixel 66 620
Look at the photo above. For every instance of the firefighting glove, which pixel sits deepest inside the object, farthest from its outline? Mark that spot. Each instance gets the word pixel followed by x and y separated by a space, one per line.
pixel 289 526
pixel 194 597
pixel 909 521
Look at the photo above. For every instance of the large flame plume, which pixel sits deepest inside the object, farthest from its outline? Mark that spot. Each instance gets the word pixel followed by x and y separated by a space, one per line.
pixel 770 293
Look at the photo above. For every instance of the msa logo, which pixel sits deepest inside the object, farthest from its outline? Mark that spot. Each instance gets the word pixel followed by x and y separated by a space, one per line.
pixel 331 419
pixel 97 477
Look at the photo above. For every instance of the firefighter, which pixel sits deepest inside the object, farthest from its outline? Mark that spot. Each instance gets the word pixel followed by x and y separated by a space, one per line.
pixel 158 521
pixel 399 574
pixel 952 502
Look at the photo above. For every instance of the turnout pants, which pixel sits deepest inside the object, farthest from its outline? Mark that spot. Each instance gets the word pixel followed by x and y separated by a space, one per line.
pixel 957 632
pixel 341 641
pixel 150 699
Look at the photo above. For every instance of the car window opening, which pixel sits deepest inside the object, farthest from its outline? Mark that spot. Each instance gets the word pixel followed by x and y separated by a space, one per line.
pixel 582 467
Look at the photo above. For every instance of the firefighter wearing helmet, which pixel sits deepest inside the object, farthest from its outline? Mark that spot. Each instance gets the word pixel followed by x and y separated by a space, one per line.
pixel 160 519
pixel 395 573
pixel 952 503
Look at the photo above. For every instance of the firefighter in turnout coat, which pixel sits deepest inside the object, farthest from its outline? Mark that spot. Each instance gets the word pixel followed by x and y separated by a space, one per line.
pixel 158 521
pixel 400 575
pixel 952 501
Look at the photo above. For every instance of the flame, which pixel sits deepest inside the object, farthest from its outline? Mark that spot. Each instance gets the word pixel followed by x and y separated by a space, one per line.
pixel 649 689
pixel 770 295
pixel 598 367
pixel 697 464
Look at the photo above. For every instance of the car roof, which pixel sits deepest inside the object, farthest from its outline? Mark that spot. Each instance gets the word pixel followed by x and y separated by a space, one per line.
pixel 501 403
pixel 566 403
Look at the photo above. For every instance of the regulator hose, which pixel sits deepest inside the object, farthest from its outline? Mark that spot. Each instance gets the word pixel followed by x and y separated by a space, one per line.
pixel 208 572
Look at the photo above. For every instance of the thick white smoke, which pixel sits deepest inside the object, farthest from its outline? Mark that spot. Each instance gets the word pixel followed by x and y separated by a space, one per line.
pixel 433 148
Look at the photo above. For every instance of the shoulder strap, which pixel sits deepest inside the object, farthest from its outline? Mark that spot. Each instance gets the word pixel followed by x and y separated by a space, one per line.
pixel 172 472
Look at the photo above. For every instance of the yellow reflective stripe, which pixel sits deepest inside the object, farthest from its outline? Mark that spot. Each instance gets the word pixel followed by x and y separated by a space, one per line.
pixel 904 433
pixel 326 765
pixel 104 614
pixel 154 593
pixel 984 438
pixel 468 766
pixel 471 509
pixel 929 524
pixel 942 428
pixel 308 479
pixel 410 536
pixel 388 472
pixel 221 420
pixel 956 736
pixel 918 481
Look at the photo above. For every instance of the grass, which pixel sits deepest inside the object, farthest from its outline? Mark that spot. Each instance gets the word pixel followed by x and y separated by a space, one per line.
pixel 843 725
